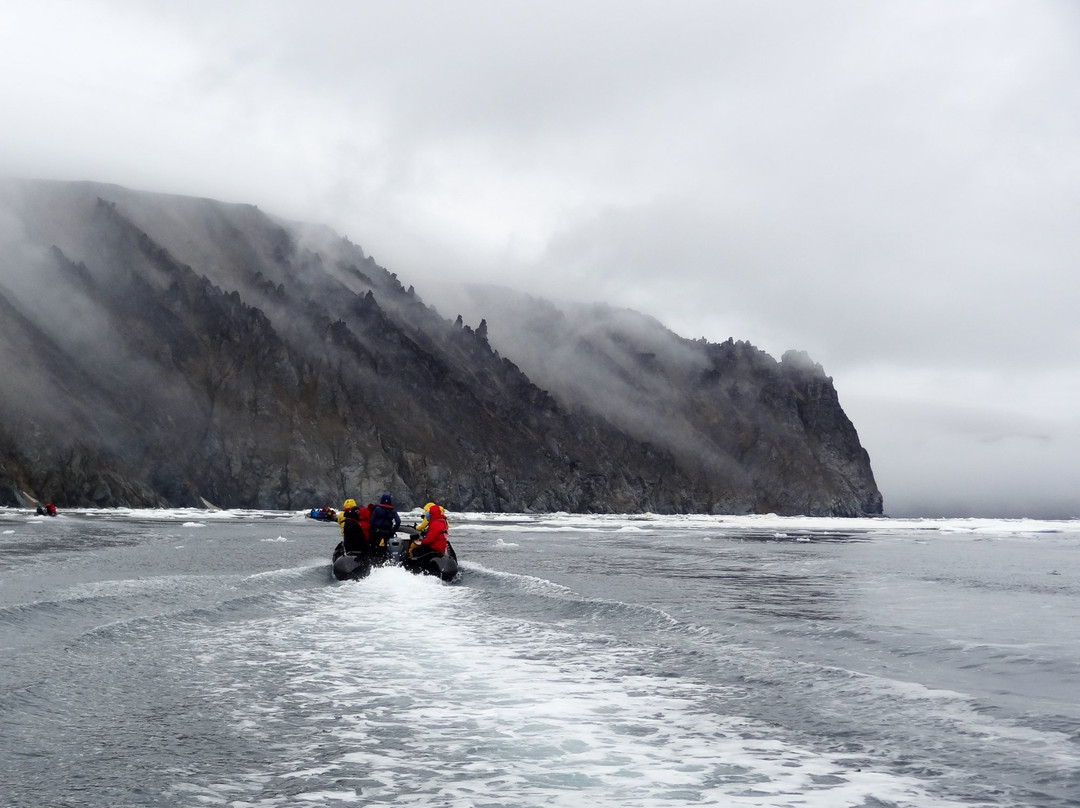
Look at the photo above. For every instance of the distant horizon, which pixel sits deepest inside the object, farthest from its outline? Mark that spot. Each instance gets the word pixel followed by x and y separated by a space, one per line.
pixel 630 517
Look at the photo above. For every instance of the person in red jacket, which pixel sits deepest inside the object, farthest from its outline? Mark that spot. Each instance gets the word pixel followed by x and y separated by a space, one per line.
pixel 432 539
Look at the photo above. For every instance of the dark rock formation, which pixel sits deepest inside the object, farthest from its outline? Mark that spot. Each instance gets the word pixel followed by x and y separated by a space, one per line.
pixel 161 350
pixel 752 433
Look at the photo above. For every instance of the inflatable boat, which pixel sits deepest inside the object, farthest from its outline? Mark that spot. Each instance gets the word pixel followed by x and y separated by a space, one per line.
pixel 354 566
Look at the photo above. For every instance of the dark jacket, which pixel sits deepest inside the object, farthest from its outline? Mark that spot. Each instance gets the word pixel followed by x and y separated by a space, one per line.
pixel 354 536
pixel 384 519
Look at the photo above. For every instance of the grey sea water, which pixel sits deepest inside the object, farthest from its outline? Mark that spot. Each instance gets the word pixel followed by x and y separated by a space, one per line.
pixel 188 658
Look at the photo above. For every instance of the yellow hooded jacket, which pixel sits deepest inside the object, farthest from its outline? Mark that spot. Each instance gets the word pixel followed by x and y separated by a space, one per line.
pixel 349 503
pixel 423 524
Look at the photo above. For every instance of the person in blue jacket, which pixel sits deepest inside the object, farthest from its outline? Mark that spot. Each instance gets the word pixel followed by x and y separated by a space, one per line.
pixel 384 524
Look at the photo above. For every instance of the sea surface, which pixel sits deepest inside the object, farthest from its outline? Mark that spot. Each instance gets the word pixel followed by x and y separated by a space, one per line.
pixel 207 658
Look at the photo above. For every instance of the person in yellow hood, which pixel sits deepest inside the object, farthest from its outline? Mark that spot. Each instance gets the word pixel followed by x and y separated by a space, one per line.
pixel 423 526
pixel 432 534
pixel 348 504
pixel 427 513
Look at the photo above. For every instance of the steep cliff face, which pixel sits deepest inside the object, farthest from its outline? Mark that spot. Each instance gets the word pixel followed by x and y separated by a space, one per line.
pixel 166 350
pixel 754 434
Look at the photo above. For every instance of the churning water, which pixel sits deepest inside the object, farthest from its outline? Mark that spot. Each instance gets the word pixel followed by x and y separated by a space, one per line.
pixel 190 658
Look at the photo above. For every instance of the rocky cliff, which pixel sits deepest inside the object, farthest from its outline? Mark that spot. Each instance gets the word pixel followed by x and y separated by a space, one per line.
pixel 160 350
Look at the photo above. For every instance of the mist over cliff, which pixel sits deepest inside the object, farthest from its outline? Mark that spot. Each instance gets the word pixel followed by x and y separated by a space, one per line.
pixel 163 350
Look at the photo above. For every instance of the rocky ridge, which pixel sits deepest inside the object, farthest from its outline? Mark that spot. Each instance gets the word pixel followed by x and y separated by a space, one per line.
pixel 162 350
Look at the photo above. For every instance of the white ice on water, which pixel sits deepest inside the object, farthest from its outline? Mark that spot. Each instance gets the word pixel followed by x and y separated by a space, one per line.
pixel 573 522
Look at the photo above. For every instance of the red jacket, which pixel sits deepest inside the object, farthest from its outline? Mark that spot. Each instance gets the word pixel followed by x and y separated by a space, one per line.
pixel 435 538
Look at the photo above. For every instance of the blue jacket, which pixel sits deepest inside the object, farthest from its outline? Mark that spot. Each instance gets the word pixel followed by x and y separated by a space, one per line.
pixel 384 520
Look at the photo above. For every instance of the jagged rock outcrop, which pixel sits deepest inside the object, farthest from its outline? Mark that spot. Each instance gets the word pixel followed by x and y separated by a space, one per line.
pixel 755 434
pixel 161 350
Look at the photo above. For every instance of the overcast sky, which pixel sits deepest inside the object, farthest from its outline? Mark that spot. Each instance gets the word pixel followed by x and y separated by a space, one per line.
pixel 893 187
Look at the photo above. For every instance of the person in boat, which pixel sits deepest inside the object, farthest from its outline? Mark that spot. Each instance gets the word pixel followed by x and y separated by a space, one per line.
pixel 340 517
pixel 364 518
pixel 431 541
pixel 424 523
pixel 385 522
pixel 50 509
pixel 349 503
pixel 354 531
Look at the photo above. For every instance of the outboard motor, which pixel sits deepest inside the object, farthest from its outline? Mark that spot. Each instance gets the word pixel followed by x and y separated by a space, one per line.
pixel 397 548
